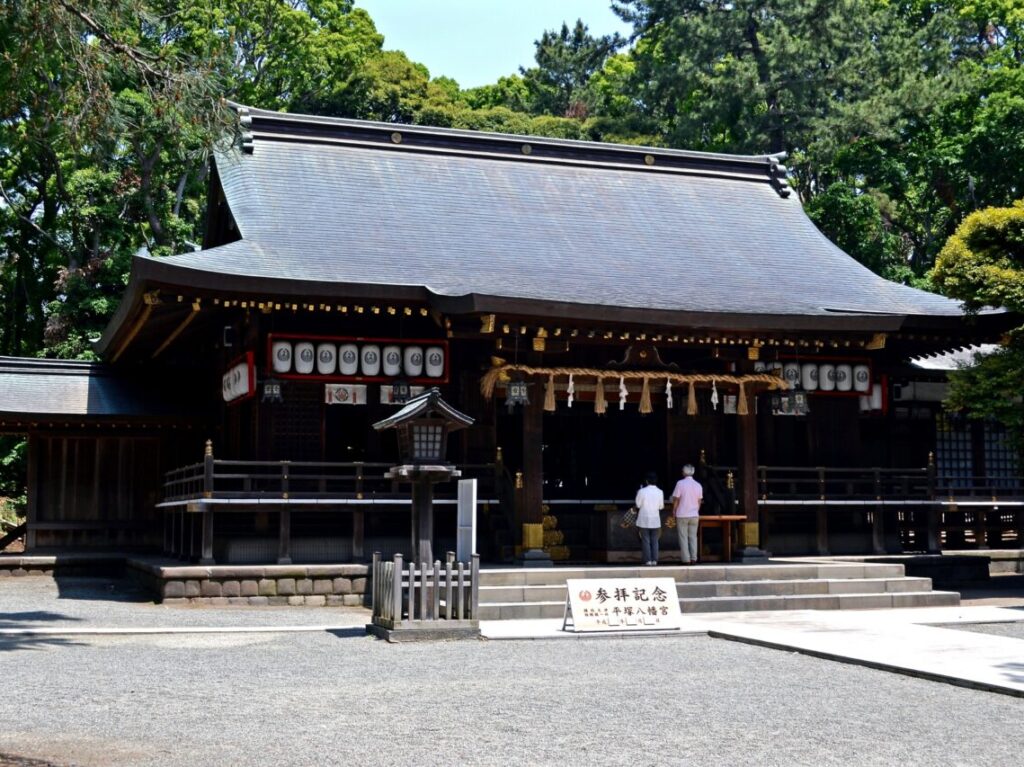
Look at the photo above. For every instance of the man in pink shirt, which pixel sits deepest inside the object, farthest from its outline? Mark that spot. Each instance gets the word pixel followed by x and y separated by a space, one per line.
pixel 686 500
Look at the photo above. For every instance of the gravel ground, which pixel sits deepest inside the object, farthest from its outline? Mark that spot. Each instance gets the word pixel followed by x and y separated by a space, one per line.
pixel 344 698
pixel 1015 630
pixel 40 602
pixel 326 699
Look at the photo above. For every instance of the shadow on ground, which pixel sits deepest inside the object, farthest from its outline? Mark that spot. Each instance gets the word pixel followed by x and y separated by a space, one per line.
pixel 100 589
pixel 35 619
pixel 10 760
pixel 348 633
pixel 1000 590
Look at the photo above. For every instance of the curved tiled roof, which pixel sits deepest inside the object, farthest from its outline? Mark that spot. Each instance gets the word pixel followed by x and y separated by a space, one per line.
pixel 474 221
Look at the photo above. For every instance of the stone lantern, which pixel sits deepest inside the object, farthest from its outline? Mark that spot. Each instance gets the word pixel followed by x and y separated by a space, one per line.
pixel 423 426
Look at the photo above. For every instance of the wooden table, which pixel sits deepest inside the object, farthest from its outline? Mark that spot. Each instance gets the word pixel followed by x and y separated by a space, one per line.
pixel 724 521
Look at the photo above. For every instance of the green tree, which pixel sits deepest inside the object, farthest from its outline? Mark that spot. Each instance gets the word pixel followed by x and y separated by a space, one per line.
pixel 108 109
pixel 566 60
pixel 299 56
pixel 982 264
pixel 855 222
pixel 397 88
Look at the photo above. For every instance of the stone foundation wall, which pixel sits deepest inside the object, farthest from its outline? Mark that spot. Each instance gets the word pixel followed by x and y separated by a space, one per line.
pixel 61 565
pixel 309 585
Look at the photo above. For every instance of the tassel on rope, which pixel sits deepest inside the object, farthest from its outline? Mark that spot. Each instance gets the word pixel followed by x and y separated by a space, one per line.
pixel 741 405
pixel 645 398
pixel 623 393
pixel 714 395
pixel 691 401
pixel 600 406
pixel 668 393
pixel 571 390
pixel 549 394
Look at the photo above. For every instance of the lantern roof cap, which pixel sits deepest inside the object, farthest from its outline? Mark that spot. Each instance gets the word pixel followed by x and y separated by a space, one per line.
pixel 424 405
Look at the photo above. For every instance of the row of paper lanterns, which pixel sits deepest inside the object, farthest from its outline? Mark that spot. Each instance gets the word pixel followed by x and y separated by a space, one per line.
pixel 351 359
pixel 821 376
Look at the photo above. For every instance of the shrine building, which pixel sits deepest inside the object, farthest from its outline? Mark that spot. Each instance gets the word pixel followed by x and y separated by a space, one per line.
pixel 600 311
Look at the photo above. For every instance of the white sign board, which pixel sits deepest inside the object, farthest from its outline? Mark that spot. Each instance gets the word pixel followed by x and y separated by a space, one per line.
pixel 622 604
pixel 465 537
pixel 345 394
pixel 387 394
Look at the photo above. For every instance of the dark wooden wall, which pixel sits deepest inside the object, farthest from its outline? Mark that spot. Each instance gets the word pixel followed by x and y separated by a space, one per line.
pixel 94 491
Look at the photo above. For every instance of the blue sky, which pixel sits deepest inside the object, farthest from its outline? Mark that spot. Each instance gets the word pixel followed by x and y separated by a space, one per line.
pixel 478 41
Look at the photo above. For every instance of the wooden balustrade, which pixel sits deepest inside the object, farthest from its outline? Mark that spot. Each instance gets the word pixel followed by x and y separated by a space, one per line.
pixel 296 480
pixel 934 510
pixel 424 595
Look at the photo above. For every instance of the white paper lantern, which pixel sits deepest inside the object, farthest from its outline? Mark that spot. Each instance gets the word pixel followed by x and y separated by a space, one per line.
pixel 305 357
pixel 348 359
pixel 413 361
pixel 809 376
pixel 760 366
pixel 775 368
pixel 369 360
pixel 281 354
pixel 861 378
pixel 791 372
pixel 326 359
pixel 876 396
pixel 392 360
pixel 434 359
pixel 844 377
pixel 864 403
pixel 243 379
pixel 827 377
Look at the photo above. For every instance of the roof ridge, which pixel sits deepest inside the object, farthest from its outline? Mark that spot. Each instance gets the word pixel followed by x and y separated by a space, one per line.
pixel 313 129
pixel 53 366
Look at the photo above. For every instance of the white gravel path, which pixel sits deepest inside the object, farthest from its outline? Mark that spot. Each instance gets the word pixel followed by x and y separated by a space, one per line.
pixel 343 698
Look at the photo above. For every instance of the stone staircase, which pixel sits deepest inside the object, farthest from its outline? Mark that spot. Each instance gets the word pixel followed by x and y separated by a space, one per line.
pixel 540 593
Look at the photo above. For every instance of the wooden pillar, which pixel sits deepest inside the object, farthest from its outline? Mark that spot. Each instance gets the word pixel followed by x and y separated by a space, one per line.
pixel 821 516
pixel 206 551
pixel 182 551
pixel 935 510
pixel 284 540
pixel 32 514
pixel 747 466
pixel 423 519
pixel 531 510
pixel 877 518
pixel 358 534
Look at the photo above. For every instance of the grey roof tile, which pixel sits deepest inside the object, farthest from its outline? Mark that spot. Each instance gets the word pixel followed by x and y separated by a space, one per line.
pixel 463 224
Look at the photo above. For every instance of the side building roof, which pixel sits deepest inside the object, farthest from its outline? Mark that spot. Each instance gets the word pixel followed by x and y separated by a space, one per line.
pixel 478 222
pixel 52 391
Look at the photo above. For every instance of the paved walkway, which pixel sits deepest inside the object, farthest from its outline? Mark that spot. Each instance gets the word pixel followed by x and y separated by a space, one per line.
pixel 924 641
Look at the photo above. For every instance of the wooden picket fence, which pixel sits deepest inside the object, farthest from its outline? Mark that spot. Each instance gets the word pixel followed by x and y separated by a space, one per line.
pixel 422 596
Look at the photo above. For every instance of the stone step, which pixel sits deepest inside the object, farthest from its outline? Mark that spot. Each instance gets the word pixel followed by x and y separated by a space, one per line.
pixel 555 609
pixel 822 602
pixel 705 589
pixel 701 573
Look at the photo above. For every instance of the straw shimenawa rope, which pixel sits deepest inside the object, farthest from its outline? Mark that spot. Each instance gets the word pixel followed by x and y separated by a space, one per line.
pixel 769 381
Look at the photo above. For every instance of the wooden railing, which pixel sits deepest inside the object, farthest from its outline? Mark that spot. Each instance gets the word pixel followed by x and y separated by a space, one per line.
pixel 930 511
pixel 831 483
pixel 295 480
pixel 848 484
pixel 424 595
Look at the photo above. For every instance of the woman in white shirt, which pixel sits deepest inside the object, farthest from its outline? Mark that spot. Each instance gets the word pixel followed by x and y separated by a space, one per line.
pixel 649 503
